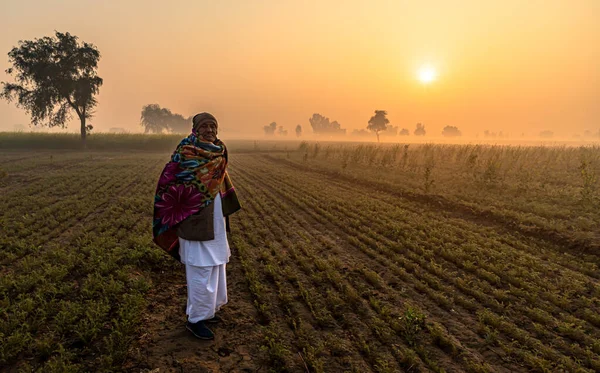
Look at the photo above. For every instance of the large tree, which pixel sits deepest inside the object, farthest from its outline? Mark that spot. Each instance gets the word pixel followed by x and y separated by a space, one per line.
pixel 378 122
pixel 54 76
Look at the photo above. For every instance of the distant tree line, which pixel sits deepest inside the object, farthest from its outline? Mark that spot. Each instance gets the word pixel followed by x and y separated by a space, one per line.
pixel 273 129
pixel 378 124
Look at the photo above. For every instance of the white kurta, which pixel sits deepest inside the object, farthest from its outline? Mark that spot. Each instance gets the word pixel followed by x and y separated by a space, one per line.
pixel 205 263
pixel 208 253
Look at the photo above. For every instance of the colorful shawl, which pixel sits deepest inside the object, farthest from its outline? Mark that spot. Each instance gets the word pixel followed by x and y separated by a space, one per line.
pixel 190 181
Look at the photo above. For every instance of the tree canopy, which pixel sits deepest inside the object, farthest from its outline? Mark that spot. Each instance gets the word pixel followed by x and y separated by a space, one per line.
pixel 155 119
pixel 451 131
pixel 322 126
pixel 420 130
pixel 54 76
pixel 270 129
pixel 281 131
pixel 378 122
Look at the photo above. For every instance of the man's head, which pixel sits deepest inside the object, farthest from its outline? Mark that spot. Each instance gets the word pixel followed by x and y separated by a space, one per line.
pixel 205 126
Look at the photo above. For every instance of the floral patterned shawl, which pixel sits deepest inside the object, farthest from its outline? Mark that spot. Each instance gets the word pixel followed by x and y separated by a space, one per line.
pixel 190 181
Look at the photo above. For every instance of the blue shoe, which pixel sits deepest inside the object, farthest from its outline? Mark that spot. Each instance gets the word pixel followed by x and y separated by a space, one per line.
pixel 200 330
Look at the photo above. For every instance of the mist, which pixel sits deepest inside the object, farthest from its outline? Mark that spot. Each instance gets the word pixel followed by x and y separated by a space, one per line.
pixel 254 64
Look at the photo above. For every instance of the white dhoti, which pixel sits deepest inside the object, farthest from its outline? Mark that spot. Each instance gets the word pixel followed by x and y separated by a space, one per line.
pixel 205 263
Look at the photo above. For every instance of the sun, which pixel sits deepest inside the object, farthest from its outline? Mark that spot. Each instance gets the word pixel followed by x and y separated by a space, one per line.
pixel 427 74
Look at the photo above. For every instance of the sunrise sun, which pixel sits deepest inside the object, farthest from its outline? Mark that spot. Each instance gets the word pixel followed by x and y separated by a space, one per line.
pixel 426 74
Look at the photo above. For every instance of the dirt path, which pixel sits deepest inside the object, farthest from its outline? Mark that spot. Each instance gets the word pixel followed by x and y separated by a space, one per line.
pixel 166 346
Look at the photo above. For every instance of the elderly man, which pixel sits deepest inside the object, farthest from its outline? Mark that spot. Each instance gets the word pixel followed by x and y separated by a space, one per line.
pixel 193 199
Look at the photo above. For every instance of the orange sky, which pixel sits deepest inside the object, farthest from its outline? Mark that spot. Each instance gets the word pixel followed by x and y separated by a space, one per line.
pixel 515 66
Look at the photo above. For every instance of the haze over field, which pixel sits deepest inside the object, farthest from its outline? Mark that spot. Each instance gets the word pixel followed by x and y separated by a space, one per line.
pixel 510 66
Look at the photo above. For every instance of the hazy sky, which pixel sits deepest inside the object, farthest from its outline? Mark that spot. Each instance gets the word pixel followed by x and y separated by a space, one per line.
pixel 517 66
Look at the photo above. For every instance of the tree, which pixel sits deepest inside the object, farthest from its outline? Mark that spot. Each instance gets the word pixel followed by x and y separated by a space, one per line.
pixel 298 130
pixel 281 131
pixel 157 120
pixel 404 132
pixel 420 130
pixel 322 126
pixel 451 131
pixel 179 124
pixel 54 76
pixel 378 122
pixel 390 131
pixel 270 129
pixel 546 134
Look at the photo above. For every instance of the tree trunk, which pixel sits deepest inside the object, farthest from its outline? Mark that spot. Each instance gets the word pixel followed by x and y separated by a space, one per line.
pixel 83 131
pixel 377 133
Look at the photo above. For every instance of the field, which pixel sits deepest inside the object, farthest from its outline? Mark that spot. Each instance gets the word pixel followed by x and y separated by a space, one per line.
pixel 346 257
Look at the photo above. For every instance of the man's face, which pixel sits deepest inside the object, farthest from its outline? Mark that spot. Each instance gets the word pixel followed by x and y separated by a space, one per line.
pixel 207 130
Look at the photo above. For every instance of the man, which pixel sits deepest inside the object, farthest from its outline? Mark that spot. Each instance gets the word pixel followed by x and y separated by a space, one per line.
pixel 193 199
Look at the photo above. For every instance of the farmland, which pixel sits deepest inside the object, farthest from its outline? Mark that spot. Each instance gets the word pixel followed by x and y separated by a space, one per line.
pixel 346 257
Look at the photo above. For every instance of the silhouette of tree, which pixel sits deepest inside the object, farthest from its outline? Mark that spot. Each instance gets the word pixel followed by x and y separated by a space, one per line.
pixel 322 126
pixel 157 120
pixel 546 134
pixel 54 76
pixel 179 124
pixel 270 129
pixel 281 131
pixel 420 130
pixel 404 132
pixel 451 131
pixel 390 131
pixel 378 122
pixel 298 130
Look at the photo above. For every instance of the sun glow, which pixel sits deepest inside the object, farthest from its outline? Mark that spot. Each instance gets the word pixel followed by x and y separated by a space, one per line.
pixel 427 74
